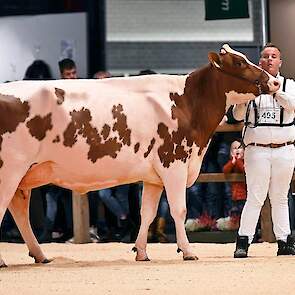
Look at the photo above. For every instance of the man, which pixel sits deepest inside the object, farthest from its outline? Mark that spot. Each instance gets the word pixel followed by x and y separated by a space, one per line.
pixel 68 69
pixel 268 135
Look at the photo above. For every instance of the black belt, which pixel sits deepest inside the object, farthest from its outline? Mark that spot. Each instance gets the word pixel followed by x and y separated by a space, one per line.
pixel 271 145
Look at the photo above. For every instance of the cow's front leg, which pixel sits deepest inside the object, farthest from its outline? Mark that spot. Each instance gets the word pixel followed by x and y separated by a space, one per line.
pixel 19 208
pixel 175 186
pixel 150 200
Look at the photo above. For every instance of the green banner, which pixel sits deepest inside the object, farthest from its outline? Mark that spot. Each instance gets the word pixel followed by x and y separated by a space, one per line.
pixel 226 9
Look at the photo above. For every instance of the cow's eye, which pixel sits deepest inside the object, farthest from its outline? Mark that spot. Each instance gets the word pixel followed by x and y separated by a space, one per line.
pixel 239 63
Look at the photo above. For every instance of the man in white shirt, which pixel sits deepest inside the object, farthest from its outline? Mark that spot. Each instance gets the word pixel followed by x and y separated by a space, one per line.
pixel 268 135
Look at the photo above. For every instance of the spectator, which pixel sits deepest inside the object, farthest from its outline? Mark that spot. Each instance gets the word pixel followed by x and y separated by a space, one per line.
pixel 38 70
pixel 238 189
pixel 55 195
pixel 67 69
pixel 156 231
pixel 102 75
pixel 116 202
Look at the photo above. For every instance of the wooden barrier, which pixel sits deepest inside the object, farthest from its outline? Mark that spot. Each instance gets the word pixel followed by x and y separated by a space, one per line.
pixel 80 218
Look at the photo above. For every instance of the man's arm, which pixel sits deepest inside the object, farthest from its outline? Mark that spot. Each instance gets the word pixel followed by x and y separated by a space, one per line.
pixel 287 99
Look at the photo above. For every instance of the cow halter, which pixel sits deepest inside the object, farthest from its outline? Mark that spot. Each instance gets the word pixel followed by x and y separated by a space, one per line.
pixel 256 82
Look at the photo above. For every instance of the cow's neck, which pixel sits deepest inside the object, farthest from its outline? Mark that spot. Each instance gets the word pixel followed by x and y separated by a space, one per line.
pixel 202 106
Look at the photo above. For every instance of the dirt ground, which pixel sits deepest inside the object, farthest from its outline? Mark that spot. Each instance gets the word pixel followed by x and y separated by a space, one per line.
pixel 110 269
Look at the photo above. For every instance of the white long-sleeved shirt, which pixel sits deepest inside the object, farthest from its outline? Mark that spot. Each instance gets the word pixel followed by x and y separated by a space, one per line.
pixel 266 102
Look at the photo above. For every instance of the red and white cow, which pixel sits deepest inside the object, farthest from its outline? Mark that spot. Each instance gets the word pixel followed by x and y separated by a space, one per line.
pixel 91 134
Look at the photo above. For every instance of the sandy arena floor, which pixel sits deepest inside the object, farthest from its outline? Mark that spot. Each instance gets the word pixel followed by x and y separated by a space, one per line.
pixel 110 269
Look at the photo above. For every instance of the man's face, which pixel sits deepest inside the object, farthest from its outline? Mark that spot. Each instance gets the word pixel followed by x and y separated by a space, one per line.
pixel 69 74
pixel 270 60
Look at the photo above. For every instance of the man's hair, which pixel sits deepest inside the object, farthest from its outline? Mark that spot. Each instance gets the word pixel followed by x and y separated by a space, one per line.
pixel 270 45
pixel 66 64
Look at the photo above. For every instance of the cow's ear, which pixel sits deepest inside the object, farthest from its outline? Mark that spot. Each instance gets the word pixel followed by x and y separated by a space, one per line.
pixel 214 59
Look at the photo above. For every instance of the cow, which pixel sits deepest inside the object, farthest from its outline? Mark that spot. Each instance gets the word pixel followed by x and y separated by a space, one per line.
pixel 91 134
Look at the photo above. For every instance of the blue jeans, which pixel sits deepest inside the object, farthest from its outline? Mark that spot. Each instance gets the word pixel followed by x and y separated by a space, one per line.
pixel 163 208
pixel 195 200
pixel 53 194
pixel 116 199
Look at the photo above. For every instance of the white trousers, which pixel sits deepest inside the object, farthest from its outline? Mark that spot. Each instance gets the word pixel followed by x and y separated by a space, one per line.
pixel 268 171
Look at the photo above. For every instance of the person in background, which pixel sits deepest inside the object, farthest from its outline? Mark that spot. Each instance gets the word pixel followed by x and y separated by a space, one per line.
pixel 67 69
pixel 56 195
pixel 115 202
pixel 38 70
pixel 102 75
pixel 156 231
pixel 236 165
pixel 268 136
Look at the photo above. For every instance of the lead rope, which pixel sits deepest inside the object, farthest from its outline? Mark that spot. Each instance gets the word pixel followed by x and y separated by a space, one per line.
pixel 247 123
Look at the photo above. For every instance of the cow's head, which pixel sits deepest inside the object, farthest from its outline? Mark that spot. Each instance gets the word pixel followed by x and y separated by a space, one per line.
pixel 249 78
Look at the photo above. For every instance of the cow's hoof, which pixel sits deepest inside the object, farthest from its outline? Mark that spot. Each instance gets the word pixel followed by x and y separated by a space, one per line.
pixel 44 261
pixel 140 254
pixel 188 256
pixel 2 264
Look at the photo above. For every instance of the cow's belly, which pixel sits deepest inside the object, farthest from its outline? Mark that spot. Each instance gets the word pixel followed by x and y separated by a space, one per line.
pixel 82 175
pixel 102 176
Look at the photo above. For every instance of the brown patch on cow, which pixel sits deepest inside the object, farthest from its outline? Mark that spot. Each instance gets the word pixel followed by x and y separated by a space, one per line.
pixel 166 150
pixel 136 147
pixel 13 112
pixel 121 124
pixel 56 139
pixel 60 94
pixel 198 112
pixel 38 126
pixel 106 129
pixel 101 144
pixel 150 147
pixel 176 144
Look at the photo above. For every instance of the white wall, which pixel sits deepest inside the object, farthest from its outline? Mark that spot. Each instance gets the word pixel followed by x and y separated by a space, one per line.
pixel 171 20
pixel 26 38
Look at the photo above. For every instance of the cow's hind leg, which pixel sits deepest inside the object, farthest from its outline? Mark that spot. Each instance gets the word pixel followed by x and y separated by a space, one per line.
pixel 150 200
pixel 175 186
pixel 19 208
